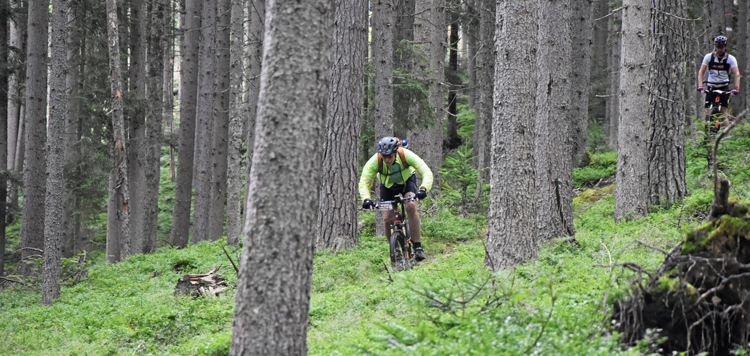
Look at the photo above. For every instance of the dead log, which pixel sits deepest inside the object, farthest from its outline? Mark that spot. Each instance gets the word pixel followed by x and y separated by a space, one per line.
pixel 208 284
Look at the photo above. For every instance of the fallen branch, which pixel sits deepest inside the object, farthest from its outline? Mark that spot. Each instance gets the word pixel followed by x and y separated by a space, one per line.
pixel 15 281
pixel 236 270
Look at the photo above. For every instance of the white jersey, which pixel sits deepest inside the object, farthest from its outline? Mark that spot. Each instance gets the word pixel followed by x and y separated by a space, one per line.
pixel 718 70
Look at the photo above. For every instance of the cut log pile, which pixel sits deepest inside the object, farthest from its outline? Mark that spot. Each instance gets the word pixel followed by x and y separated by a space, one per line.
pixel 206 284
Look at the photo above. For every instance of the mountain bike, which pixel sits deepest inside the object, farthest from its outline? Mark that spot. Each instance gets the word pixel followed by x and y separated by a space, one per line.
pixel 401 249
pixel 714 118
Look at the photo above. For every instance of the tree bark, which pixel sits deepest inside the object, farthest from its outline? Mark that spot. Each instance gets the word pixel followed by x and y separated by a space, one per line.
pixel 121 192
pixel 337 222
pixel 234 154
pixel 16 100
pixel 53 205
pixel 403 51
pixel 427 141
pixel 15 92
pixel 34 182
pixel 205 123
pixel 597 109
pixel 158 55
pixel 382 62
pixel 180 233
pixel 256 33
pixel 581 32
pixel 666 143
pixel 4 147
pixel 71 199
pixel 273 293
pixel 220 144
pixel 512 216
pixel 137 144
pixel 613 96
pixel 631 190
pixel 484 108
pixel 554 168
pixel 451 125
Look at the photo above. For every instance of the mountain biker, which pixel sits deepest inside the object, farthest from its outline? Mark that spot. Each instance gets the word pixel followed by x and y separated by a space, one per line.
pixel 397 177
pixel 719 64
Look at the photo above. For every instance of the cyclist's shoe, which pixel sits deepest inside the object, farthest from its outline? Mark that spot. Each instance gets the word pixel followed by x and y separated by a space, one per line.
pixel 714 129
pixel 419 254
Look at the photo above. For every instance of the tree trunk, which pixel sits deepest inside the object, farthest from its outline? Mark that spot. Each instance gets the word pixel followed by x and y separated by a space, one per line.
pixel 112 248
pixel 739 51
pixel 34 182
pixel 512 216
pixel 16 101
pixel 453 140
pixel 74 117
pixel 256 33
pixel 205 123
pixel 15 92
pixel 158 55
pixel 53 220
pixel 221 123
pixel 427 141
pixel 666 143
pixel 484 108
pixel 631 190
pixel 382 62
pixel 581 32
pixel 180 233
pixel 337 223
pixel 403 52
pixel 554 168
pixel 599 54
pixel 273 293
pixel 121 193
pixel 234 154
pixel 613 96
pixel 4 33
pixel 137 145
pixel 472 42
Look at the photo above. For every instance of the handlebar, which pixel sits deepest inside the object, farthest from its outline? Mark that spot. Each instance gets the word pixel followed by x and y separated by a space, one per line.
pixel 388 204
pixel 710 86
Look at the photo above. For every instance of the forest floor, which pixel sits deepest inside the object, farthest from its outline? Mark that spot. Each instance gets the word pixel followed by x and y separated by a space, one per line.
pixel 558 304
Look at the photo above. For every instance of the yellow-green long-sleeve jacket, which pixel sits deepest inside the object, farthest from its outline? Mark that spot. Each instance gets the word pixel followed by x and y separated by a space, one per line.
pixel 395 174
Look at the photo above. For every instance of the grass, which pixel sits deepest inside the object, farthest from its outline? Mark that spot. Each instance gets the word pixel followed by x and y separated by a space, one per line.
pixel 557 304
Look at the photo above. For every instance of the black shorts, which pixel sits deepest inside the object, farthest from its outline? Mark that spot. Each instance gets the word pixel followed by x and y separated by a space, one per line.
pixel 389 193
pixel 711 97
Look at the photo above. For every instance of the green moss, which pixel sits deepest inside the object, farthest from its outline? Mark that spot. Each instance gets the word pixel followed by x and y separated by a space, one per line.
pixel 591 196
pixel 669 281
pixel 716 236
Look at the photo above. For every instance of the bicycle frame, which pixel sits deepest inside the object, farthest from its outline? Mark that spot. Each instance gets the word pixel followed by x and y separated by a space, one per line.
pixel 400 233
pixel 396 206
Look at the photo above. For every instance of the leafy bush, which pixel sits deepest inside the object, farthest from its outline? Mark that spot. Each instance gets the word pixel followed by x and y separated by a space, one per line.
pixel 602 165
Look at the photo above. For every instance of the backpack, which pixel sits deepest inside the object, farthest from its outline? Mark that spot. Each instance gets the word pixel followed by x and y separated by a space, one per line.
pixel 400 154
pixel 720 64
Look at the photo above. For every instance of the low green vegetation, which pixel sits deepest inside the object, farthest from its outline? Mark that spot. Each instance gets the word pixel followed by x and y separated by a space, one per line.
pixel 557 304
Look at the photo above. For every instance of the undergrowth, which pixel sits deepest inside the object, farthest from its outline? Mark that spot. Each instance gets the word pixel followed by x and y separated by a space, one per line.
pixel 557 304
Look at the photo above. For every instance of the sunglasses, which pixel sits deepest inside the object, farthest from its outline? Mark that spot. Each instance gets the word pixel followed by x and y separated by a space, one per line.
pixel 720 46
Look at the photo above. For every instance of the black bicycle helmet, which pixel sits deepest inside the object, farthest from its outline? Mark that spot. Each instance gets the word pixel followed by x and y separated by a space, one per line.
pixel 387 146
pixel 720 40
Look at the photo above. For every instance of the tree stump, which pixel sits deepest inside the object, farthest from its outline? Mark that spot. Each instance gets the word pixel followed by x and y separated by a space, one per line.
pixel 699 298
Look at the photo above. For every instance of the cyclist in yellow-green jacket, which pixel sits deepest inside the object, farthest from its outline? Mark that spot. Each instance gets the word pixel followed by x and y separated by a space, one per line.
pixel 395 167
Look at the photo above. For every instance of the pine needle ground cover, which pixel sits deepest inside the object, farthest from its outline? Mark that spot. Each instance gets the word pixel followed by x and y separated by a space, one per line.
pixel 450 305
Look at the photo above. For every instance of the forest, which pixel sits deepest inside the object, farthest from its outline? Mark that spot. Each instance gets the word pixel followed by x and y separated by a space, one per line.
pixel 183 177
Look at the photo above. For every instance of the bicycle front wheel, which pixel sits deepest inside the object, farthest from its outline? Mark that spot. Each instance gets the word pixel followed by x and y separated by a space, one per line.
pixel 397 245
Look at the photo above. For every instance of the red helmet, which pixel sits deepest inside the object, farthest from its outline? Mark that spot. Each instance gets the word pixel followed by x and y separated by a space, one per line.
pixel 720 40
